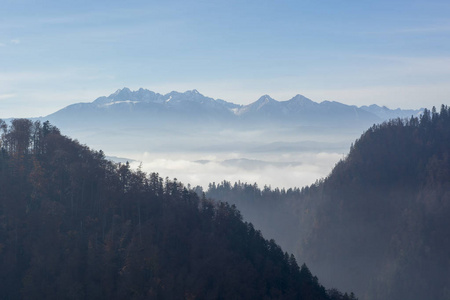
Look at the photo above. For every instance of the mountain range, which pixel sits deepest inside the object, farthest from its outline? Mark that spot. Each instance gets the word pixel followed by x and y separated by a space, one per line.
pixel 147 107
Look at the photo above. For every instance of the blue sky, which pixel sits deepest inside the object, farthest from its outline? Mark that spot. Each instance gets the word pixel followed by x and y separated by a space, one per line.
pixel 54 53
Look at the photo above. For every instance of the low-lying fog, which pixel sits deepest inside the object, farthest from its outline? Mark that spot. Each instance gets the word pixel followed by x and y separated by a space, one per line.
pixel 277 170
pixel 267 157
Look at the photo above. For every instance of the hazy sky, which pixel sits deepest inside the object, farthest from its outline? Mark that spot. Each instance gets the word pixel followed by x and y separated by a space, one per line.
pixel 54 53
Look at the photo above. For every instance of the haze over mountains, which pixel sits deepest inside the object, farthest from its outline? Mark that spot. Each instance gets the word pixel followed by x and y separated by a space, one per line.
pixel 199 139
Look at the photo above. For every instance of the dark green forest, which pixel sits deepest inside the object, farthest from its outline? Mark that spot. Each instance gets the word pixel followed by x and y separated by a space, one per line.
pixel 74 225
pixel 379 223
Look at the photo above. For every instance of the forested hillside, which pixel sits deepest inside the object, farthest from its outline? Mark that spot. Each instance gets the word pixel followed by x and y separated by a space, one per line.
pixel 380 222
pixel 76 226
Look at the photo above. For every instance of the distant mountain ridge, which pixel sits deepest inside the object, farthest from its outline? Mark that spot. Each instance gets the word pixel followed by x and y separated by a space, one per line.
pixel 386 113
pixel 191 106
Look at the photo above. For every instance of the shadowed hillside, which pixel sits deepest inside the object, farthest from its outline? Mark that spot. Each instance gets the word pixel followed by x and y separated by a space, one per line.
pixel 76 226
pixel 379 223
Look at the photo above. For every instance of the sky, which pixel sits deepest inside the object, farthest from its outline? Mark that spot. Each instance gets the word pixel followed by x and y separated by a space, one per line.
pixel 358 52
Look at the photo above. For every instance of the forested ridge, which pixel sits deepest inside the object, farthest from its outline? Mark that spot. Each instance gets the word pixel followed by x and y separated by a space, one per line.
pixel 379 223
pixel 74 225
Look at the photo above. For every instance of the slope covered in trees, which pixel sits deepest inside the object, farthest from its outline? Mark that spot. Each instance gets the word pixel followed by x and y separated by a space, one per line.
pixel 76 226
pixel 380 222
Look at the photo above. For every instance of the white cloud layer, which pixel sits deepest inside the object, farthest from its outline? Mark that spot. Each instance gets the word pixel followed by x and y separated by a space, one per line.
pixel 305 170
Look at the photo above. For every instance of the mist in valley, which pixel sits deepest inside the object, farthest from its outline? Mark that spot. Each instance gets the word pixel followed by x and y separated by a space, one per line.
pixel 276 157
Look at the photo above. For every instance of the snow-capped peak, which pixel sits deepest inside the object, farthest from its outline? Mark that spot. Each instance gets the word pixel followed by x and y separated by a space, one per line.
pixel 119 102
